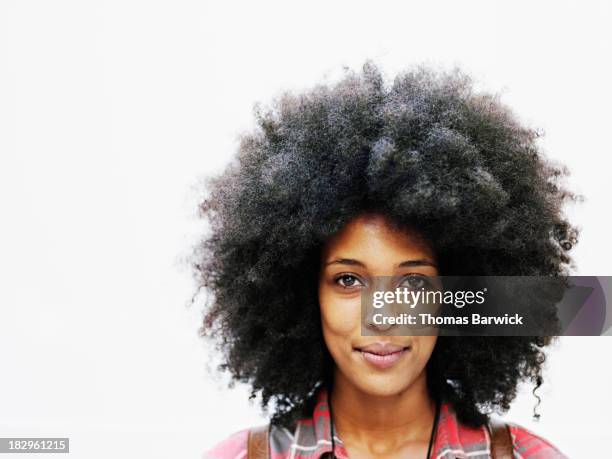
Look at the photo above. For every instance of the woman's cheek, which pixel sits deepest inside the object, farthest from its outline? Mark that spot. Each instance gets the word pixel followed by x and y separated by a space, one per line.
pixel 426 346
pixel 341 316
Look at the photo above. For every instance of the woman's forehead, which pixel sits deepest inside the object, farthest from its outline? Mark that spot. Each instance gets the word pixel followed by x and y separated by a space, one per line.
pixel 374 236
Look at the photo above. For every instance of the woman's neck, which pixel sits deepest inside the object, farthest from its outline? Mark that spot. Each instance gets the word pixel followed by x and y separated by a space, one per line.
pixel 382 425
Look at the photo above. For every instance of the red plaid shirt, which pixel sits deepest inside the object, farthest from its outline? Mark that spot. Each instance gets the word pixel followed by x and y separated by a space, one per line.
pixel 311 440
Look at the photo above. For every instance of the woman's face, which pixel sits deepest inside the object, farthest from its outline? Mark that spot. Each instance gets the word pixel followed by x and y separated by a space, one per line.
pixel 367 247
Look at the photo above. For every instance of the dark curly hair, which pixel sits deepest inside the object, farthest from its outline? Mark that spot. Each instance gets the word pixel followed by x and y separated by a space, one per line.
pixel 425 150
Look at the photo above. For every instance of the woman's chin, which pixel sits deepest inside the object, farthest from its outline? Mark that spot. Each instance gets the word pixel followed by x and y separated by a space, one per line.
pixel 383 386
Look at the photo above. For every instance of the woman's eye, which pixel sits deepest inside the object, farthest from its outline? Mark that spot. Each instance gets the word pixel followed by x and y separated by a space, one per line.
pixel 348 281
pixel 415 281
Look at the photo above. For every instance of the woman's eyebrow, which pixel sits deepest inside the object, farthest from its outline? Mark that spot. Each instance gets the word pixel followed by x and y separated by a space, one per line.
pixel 403 264
pixel 420 262
pixel 346 261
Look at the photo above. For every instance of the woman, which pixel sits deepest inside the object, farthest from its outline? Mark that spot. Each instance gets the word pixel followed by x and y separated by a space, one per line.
pixel 345 183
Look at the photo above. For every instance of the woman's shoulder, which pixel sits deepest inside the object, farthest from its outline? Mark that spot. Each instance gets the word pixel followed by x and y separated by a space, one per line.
pixel 528 445
pixel 460 440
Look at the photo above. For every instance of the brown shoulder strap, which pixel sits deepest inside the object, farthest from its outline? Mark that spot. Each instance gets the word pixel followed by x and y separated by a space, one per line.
pixel 257 446
pixel 501 440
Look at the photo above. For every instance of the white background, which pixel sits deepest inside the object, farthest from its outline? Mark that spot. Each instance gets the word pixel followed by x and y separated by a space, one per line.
pixel 111 111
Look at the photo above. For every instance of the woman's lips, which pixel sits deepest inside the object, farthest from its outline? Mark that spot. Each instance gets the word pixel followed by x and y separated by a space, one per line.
pixel 383 355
